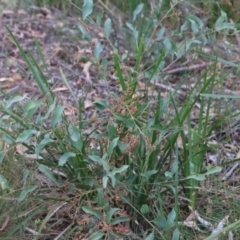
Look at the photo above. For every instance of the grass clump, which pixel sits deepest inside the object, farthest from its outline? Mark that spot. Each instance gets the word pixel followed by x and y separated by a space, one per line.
pixel 132 170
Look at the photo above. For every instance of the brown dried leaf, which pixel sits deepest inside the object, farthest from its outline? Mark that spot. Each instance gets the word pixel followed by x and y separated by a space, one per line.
pixel 238 155
pixel 59 89
pixel 86 68
pixel 4 225
pixel 88 104
pixel 21 149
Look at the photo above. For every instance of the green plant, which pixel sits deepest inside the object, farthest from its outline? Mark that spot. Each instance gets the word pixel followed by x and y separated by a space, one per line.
pixel 131 158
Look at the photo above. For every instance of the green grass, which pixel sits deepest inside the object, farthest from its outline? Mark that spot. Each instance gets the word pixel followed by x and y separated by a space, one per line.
pixel 138 175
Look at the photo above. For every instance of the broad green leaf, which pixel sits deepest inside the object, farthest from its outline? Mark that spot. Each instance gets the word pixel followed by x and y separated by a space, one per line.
pixel 57 116
pixel 120 117
pixel 100 197
pixel 108 27
pixel 176 234
pixel 213 170
pixel 160 32
pixel 105 165
pixel 124 56
pixel 14 100
pixel 130 123
pixel 26 135
pixel 119 170
pixel 105 64
pixel 8 139
pixel 185 26
pixel 219 23
pixel 101 104
pixel 50 109
pixel 46 171
pixel 92 211
pixel 87 8
pixel 171 187
pixel 25 176
pixel 105 181
pixel 112 145
pixel 171 218
pixel 63 159
pixel 99 18
pixel 141 109
pixel 123 146
pixel 2 155
pixel 39 120
pixel 184 47
pixel 118 220
pixel 110 214
pixel 138 10
pixel 97 236
pixel 194 26
pixel 145 209
pixel 25 192
pixel 78 145
pixel 168 45
pixel 112 178
pixel 199 177
pixel 150 236
pixel 85 33
pixel 165 5
pixel 42 144
pixel 97 50
pixel 47 139
pixel 175 167
pixel 31 107
pixel 95 158
pixel 168 174
pixel 160 222
pixel 221 20
pixel 148 174
pixel 74 133
pixel 227 26
pixel 197 20
pixel 4 183
pixel 75 136
pixel 112 132
pixel 130 26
